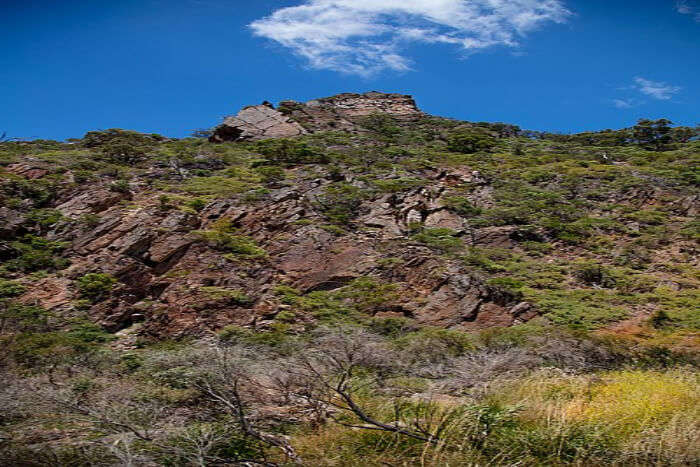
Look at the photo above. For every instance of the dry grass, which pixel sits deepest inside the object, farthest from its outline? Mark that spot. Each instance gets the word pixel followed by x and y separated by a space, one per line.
pixel 630 417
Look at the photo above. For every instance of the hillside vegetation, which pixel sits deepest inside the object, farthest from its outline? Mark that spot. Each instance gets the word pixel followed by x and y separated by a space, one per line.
pixel 399 292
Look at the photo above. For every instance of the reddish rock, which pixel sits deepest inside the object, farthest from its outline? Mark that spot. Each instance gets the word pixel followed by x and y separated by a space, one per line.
pixel 27 171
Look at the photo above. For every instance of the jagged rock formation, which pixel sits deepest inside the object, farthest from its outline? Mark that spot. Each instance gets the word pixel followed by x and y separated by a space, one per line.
pixel 257 122
pixel 163 266
pixel 339 112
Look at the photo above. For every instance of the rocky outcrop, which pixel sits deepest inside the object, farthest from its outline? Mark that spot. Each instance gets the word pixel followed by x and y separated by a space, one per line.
pixel 166 273
pixel 257 122
pixel 27 170
pixel 340 112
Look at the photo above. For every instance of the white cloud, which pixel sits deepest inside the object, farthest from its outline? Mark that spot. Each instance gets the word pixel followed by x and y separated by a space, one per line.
pixel 656 89
pixel 623 103
pixel 689 7
pixel 366 36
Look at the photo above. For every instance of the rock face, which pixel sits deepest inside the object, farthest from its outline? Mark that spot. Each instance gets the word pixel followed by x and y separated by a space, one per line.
pixel 166 273
pixel 340 112
pixel 257 122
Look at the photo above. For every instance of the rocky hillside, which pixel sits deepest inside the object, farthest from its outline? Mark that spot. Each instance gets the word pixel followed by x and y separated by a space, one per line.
pixel 448 223
pixel 350 281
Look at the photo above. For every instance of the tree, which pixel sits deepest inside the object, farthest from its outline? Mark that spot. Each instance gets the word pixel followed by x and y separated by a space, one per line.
pixel 683 134
pixel 654 134
pixel 470 141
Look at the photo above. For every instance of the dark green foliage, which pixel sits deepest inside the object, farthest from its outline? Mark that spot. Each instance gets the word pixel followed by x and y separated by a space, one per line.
pixel 469 141
pixel 197 204
pixel 381 124
pixel 15 317
pixel 507 284
pixel 441 239
pixel 653 134
pixel 222 236
pixel 119 152
pixel 10 288
pixel 35 253
pixel 95 286
pixel 44 217
pixel 270 173
pixel 609 138
pixel 289 151
pixel 352 303
pixel 660 319
pixel 683 134
pixel 93 139
pixel 121 146
pixel 340 202
pixel 398 185
pixel 120 186
pixel 39 192
pixel 591 273
pixel 461 206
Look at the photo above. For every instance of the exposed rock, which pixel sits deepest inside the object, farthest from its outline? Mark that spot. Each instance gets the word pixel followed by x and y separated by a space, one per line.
pixel 11 222
pixel 338 112
pixel 316 260
pixel 91 202
pixel 257 122
pixel 445 219
pixel 26 170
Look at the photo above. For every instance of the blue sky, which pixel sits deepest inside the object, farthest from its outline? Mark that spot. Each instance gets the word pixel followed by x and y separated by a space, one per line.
pixel 172 66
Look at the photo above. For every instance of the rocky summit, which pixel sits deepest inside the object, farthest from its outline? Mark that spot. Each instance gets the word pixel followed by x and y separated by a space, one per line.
pixel 292 118
pixel 310 281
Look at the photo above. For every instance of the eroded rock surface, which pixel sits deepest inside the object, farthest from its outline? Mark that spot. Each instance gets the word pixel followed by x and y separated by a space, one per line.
pixel 257 122
pixel 340 112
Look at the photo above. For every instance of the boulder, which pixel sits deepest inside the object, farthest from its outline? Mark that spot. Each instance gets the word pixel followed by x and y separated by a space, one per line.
pixel 257 122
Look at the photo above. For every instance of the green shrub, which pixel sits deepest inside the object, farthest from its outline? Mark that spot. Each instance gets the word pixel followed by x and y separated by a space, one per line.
pixel 340 202
pixel 469 141
pixel 591 273
pixel 507 284
pixel 93 139
pixel 234 297
pixel 44 217
pixel 197 204
pixel 288 151
pixel 15 317
pixel 441 239
pixel 270 173
pixel 36 253
pixel 120 186
pixel 10 288
pixel 398 185
pixel 221 237
pixel 462 206
pixel 95 286
pixel 122 152
pixel 381 124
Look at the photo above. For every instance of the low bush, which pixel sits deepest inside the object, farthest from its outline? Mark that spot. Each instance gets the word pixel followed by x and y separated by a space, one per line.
pixel 439 238
pixel 34 253
pixel 95 286
pixel 340 202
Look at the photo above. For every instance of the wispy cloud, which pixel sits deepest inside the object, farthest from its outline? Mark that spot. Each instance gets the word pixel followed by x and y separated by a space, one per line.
pixel 366 36
pixel 689 7
pixel 623 103
pixel 656 89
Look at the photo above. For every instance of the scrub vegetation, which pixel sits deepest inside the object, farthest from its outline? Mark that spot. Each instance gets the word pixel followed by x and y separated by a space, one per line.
pixel 601 237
